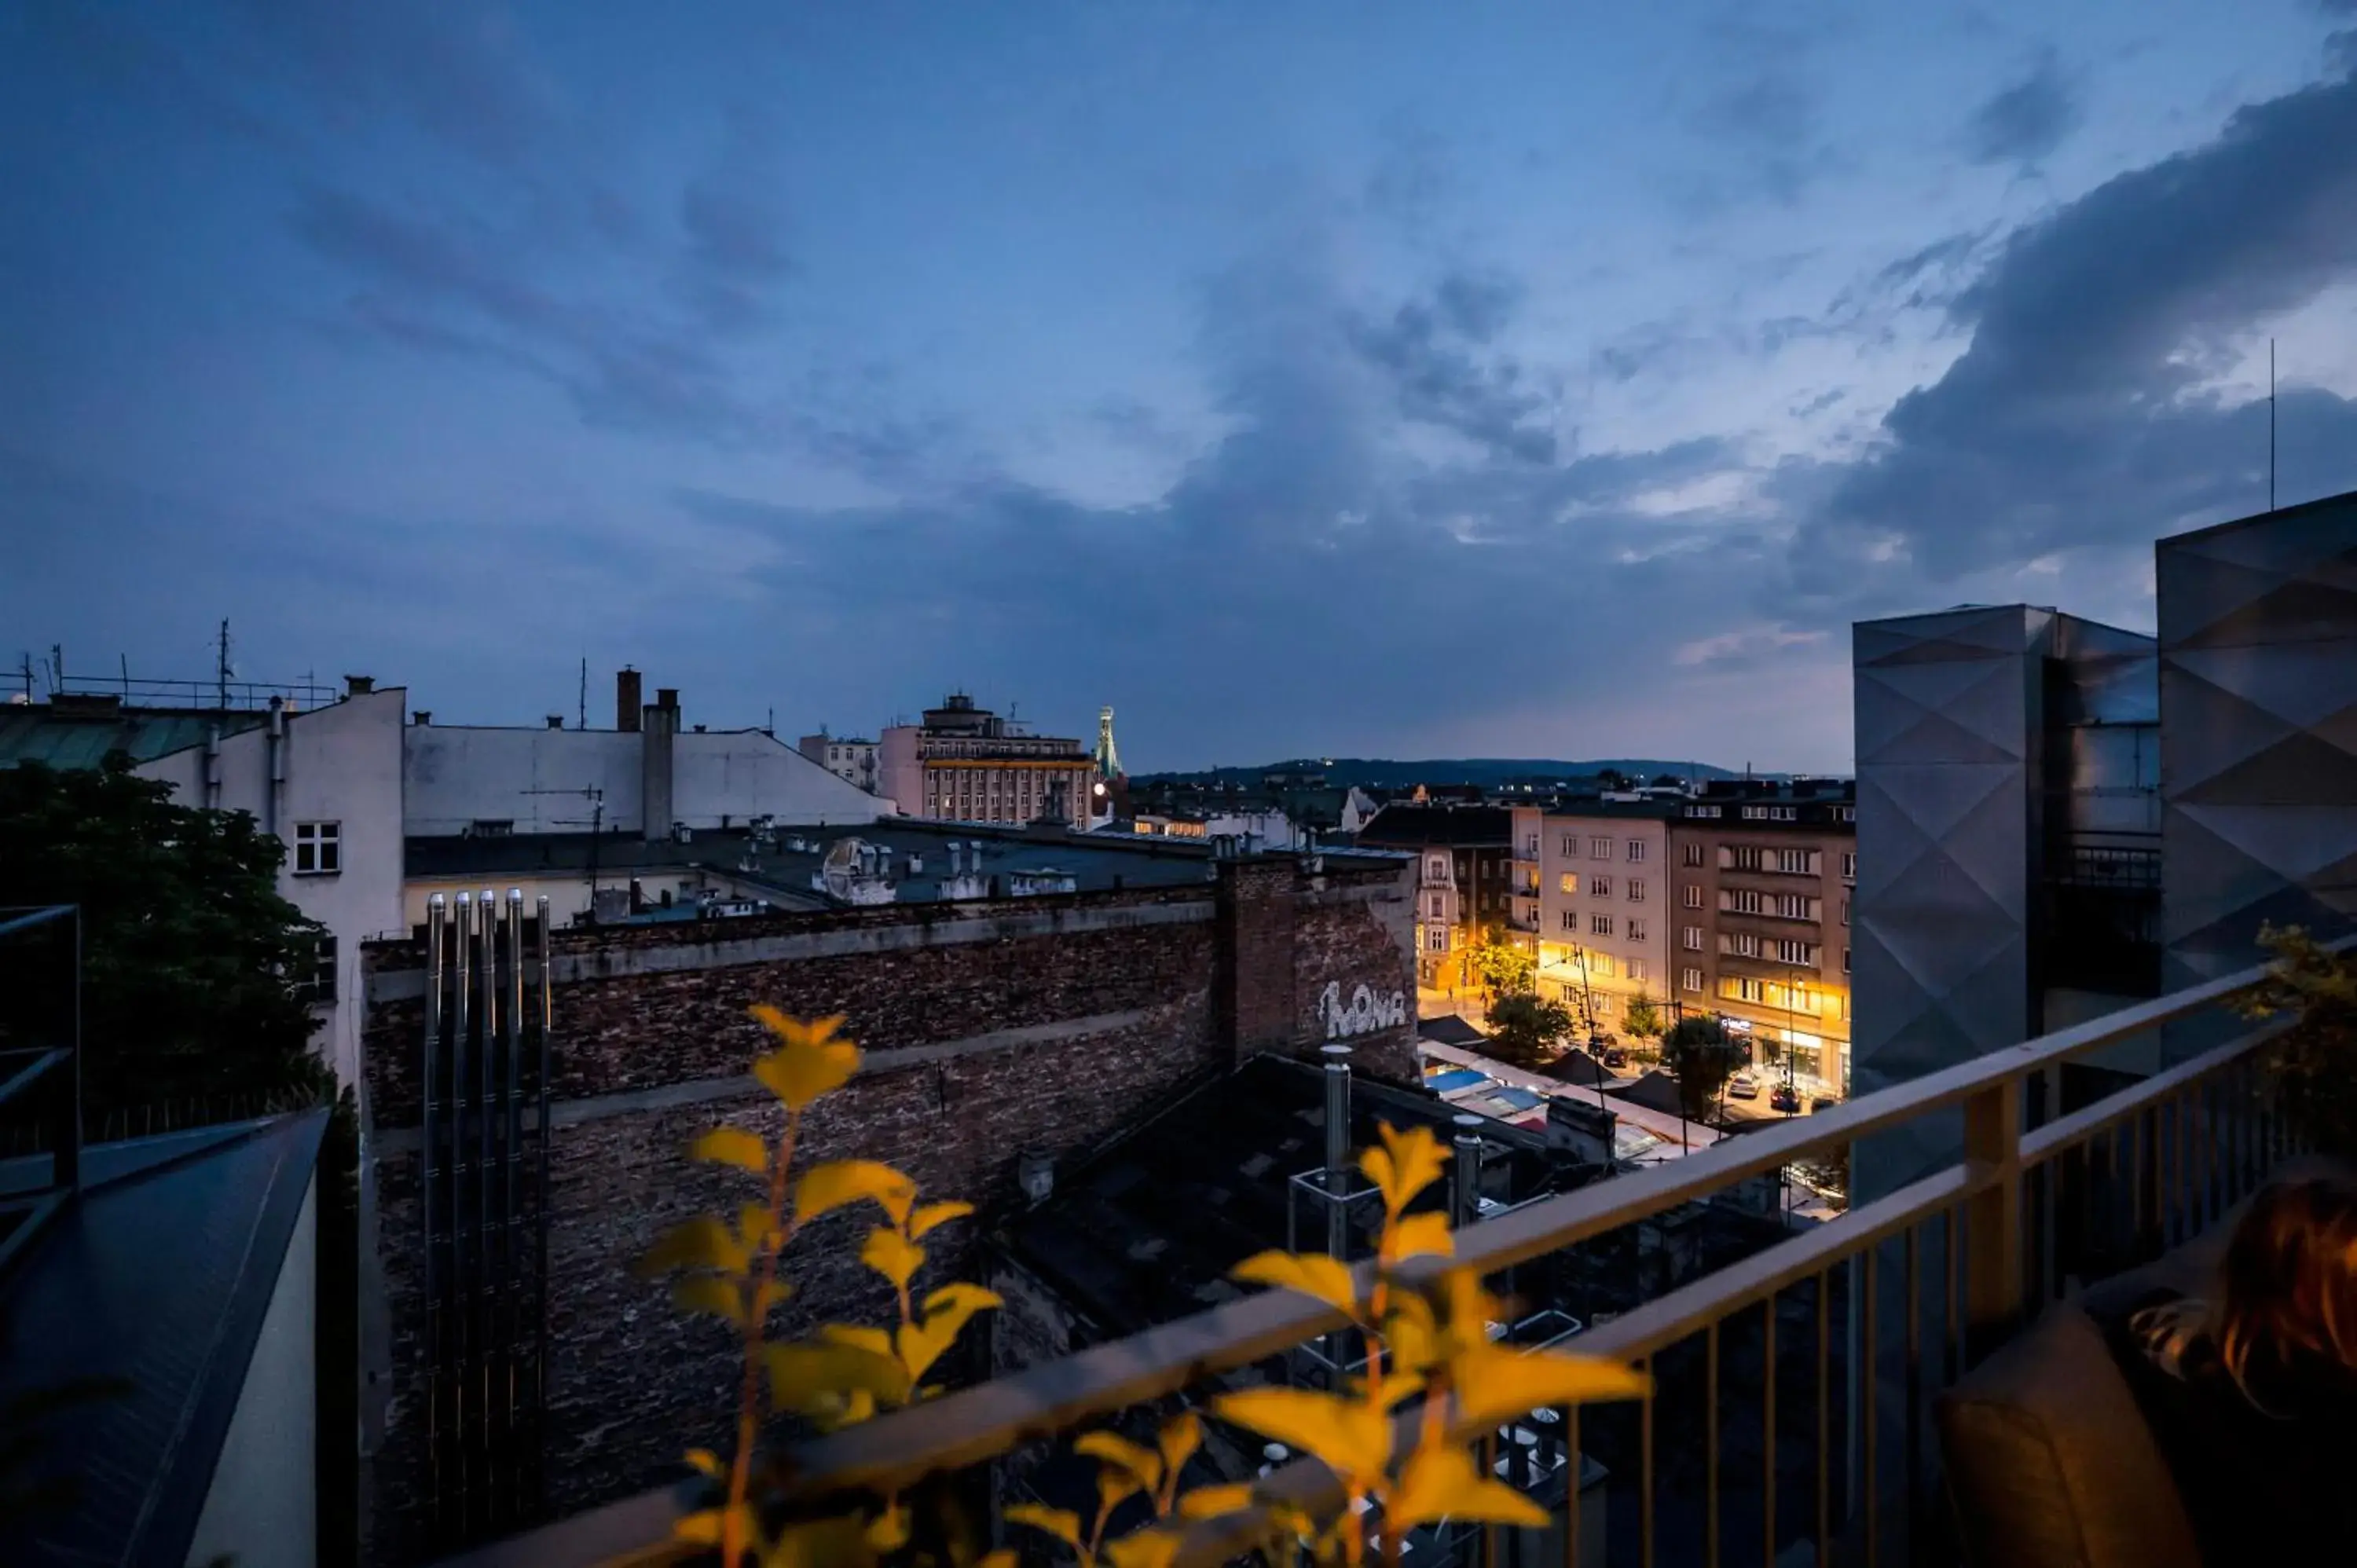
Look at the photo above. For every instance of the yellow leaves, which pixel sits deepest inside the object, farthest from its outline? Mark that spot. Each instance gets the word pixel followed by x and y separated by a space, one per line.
pixel 704 1462
pixel 1311 1273
pixel 1406 1163
pixel 1143 1549
pixel 731 1146
pixel 1061 1523
pixel 1212 1502
pixel 818 1376
pixel 809 1062
pixel 1494 1383
pixel 1350 1435
pixel 934 1216
pixel 889 1529
pixel 709 1292
pixel 1176 1444
pixel 702 1242
pixel 947 1311
pixel 1418 1236
pixel 1442 1483
pixel 1142 1464
pixel 893 1255
pixel 840 1182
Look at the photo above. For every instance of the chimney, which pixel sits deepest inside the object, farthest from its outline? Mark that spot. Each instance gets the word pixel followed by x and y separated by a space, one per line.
pixel 1035 1173
pixel 1338 1147
pixel 1465 1186
pixel 359 685
pixel 658 722
pixel 626 699
pixel 668 697
pixel 556 721
pixel 421 717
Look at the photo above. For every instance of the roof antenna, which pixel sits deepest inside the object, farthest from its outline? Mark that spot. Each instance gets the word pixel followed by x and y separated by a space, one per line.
pixel 2271 425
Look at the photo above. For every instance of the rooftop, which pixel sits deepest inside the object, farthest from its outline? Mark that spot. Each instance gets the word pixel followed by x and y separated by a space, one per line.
pixel 81 733
pixel 1409 824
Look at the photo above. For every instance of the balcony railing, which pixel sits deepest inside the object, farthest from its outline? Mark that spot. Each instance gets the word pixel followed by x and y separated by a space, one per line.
pixel 1793 1386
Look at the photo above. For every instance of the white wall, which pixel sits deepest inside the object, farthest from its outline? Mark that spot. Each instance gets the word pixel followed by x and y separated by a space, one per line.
pixel 263 1508
pixel 342 764
pixel 456 777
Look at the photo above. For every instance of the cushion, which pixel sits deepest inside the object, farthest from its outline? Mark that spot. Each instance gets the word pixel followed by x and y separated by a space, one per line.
pixel 2050 1461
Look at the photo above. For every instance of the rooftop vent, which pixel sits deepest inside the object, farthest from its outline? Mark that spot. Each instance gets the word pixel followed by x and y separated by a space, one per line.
pixel 359 685
pixel 421 717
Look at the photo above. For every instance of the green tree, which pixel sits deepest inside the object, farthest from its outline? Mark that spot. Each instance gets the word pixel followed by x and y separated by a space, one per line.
pixel 1505 968
pixel 2313 1067
pixel 1643 1018
pixel 1699 1051
pixel 193 966
pixel 1527 1029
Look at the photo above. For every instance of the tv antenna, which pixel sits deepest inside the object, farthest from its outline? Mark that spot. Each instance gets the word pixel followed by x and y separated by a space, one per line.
pixel 2271 425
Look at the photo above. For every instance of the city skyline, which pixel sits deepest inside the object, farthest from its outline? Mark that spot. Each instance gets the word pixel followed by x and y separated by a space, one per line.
pixel 1438 387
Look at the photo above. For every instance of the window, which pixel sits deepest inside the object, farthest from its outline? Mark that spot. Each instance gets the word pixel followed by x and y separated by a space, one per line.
pixel 1636 890
pixel 1599 888
pixel 1639 970
pixel 1845 960
pixel 1439 869
pixel 1636 849
pixel 1690 855
pixel 1531 847
pixel 1690 939
pixel 1435 909
pixel 319 849
pixel 1569 882
pixel 1599 925
pixel 1439 940
pixel 1689 980
pixel 1744 989
pixel 1845 813
pixel 1692 895
pixel 1844 911
pixel 492 827
pixel 1703 813
pixel 1636 930
pixel 320 985
pixel 1789 951
pixel 1797 861
pixel 1599 849
pixel 1571 846
pixel 1571 920
pixel 1796 907
pixel 1742 857
pixel 1850 865
pixel 1740 901
pixel 1741 944
pixel 1603 1007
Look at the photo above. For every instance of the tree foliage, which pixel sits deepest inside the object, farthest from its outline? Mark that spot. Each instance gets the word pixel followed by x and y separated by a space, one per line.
pixel 1527 1029
pixel 2313 1067
pixel 193 966
pixel 1643 1018
pixel 1699 1051
pixel 1504 967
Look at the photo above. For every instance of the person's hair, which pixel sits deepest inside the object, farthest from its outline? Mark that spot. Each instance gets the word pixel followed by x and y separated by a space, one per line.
pixel 2285 1294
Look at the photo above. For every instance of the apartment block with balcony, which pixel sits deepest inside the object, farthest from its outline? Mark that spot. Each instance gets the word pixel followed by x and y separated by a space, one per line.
pixel 1762 874
pixel 1465 875
pixel 1604 907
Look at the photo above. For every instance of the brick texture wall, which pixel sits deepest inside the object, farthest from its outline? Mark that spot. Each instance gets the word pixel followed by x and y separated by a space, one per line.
pixel 632 1383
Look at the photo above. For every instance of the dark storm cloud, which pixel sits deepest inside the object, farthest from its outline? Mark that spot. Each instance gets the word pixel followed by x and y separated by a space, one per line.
pixel 441 284
pixel 2077 416
pixel 2027 121
pixel 1426 349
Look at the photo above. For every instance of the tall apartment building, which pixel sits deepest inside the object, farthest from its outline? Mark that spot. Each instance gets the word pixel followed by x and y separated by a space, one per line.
pixel 849 758
pixel 966 764
pixel 1601 870
pixel 1763 876
pixel 1464 880
pixel 2059 817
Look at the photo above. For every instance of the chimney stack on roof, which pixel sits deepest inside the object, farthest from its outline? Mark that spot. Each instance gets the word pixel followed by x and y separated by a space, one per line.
pixel 359 685
pixel 626 699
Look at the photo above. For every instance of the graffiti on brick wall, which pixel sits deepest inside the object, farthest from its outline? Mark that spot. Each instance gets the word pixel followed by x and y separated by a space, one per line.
pixel 1366 1012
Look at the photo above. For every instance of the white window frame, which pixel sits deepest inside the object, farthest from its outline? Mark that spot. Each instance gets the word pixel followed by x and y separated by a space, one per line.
pixel 1690 979
pixel 1636 890
pixel 319 849
pixel 1692 895
pixel 1690 939
pixel 1636 849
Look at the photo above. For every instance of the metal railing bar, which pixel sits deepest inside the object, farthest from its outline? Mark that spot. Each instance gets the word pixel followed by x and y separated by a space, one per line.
pixel 33 1072
pixel 1645 1468
pixel 39 914
pixel 1825 1419
pixel 1767 1434
pixel 1573 1466
pixel 2109 1113
pixel 1662 1321
pixel 1710 1444
pixel 1870 1377
pixel 1912 1261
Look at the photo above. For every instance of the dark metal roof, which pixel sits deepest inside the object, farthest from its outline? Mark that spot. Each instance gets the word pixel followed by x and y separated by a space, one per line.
pixel 37 732
pixel 158 1275
pixel 1448 1029
pixel 1410 824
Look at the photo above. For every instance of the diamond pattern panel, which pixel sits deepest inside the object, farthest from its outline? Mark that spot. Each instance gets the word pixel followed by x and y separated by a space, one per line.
pixel 2258 633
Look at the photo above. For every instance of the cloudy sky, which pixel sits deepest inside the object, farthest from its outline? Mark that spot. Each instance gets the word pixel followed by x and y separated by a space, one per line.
pixel 1394 378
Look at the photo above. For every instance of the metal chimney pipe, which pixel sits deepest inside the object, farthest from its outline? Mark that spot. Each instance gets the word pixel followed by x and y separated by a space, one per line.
pixel 462 997
pixel 437 936
pixel 1338 1147
pixel 1465 1196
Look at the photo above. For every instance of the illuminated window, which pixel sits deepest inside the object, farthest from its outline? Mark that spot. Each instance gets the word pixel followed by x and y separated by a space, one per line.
pixel 1603 1007
pixel 1569 882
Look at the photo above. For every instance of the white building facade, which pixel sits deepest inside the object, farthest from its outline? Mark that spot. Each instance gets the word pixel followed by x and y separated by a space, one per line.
pixel 1604 911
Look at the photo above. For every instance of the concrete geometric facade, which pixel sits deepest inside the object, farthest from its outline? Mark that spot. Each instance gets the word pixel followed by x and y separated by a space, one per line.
pixel 2258 671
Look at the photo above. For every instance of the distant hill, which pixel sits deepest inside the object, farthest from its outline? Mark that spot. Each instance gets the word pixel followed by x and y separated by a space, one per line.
pixel 1486 771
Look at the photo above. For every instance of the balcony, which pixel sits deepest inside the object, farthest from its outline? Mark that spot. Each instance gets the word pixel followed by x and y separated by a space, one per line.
pixel 1793 1379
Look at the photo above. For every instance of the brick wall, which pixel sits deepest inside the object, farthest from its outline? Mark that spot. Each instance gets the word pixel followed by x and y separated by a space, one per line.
pixel 1121 1017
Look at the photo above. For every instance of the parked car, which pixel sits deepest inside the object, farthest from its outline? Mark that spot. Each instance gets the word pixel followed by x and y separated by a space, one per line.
pixel 1743 1086
pixel 1616 1058
pixel 1784 1097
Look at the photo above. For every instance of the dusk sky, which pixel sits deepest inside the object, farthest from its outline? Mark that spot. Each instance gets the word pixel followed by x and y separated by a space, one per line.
pixel 1411 379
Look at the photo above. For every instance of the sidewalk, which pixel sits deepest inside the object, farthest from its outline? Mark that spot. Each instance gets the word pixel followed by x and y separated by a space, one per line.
pixel 1692 1139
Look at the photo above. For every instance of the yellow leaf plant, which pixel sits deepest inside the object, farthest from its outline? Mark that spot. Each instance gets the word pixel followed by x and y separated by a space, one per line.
pixel 845 1373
